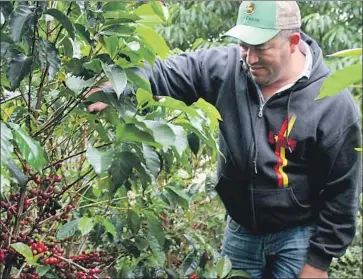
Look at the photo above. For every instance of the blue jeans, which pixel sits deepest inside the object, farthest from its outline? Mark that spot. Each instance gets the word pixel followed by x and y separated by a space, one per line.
pixel 275 255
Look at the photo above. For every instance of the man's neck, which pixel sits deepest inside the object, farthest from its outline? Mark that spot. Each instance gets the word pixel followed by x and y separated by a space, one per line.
pixel 296 67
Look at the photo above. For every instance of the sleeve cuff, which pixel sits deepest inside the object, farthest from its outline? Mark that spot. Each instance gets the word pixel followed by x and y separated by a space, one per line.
pixel 318 259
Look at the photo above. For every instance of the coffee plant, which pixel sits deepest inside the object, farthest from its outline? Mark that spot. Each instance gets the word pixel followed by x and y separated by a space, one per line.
pixel 109 195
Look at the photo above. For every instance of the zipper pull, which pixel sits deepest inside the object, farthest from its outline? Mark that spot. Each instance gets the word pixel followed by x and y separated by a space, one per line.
pixel 260 111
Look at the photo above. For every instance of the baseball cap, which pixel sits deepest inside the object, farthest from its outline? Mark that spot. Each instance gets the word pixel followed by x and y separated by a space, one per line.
pixel 260 21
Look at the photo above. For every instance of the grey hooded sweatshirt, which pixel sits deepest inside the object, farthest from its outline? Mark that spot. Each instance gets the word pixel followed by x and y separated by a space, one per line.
pixel 289 162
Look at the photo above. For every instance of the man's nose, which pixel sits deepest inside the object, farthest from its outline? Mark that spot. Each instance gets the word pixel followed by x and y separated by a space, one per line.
pixel 251 57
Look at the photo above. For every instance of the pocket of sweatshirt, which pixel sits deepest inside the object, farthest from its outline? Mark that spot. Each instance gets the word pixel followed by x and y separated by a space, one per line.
pixel 235 198
pixel 276 209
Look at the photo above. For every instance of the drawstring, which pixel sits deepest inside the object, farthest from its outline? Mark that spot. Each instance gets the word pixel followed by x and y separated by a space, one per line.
pixel 287 117
pixel 253 134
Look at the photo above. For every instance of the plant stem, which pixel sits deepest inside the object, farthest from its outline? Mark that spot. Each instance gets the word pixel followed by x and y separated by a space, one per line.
pixel 73 263
pixel 31 66
pixel 74 182
pixel 40 89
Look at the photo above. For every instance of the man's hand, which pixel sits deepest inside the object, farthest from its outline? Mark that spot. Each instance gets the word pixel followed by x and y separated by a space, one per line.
pixel 309 271
pixel 98 106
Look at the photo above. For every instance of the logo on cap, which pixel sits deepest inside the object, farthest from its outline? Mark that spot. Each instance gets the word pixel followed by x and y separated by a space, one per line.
pixel 250 8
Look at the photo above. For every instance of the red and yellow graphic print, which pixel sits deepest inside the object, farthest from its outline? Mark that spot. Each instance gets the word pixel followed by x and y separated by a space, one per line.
pixel 282 143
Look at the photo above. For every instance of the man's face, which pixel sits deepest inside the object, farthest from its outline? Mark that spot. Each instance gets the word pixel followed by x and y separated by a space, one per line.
pixel 267 62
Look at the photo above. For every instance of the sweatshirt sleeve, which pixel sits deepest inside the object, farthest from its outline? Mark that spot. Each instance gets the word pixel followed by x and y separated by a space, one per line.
pixel 189 76
pixel 178 76
pixel 339 200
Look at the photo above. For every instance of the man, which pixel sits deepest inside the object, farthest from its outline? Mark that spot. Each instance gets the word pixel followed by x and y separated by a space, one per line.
pixel 291 178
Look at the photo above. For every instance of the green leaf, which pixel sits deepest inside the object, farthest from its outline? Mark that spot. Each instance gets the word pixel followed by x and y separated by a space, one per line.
pixel 238 273
pixel 117 77
pixel 155 227
pixel 154 39
pixel 143 97
pixel 147 15
pixel 19 66
pixel 160 10
pixel 67 230
pixel 190 263
pixel 179 196
pixel 347 52
pixel 141 243
pixel 110 228
pixel 210 183
pixel 131 133
pixel 16 172
pixel 32 260
pixel 6 145
pixel 134 46
pixel 224 266
pixel 152 159
pixel 30 149
pixel 19 20
pixel 42 270
pixel 118 17
pixel 163 134
pixel 359 149
pixel 63 19
pixel 22 249
pixel 117 30
pixel 173 104
pixel 53 61
pixel 67 47
pixel 77 84
pixel 85 225
pixel 181 142
pixel 121 168
pixel 134 221
pixel 137 80
pixel 2 18
pixel 208 139
pixel 211 112
pixel 94 65
pixel 100 161
pixel 4 46
pixel 157 250
pixel 82 33
pixel 74 66
pixel 111 45
pixel 194 143
pixel 114 6
pixel 341 79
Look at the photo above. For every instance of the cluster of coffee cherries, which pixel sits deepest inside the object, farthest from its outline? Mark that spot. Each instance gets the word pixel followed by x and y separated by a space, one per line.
pixel 29 273
pixel 42 201
pixel 11 207
pixel 92 259
pixel 91 262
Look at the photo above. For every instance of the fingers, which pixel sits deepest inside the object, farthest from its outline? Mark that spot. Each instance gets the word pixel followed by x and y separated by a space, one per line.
pixel 96 107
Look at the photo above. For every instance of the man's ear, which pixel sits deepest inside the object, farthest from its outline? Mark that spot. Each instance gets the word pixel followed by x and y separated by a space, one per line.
pixel 294 41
